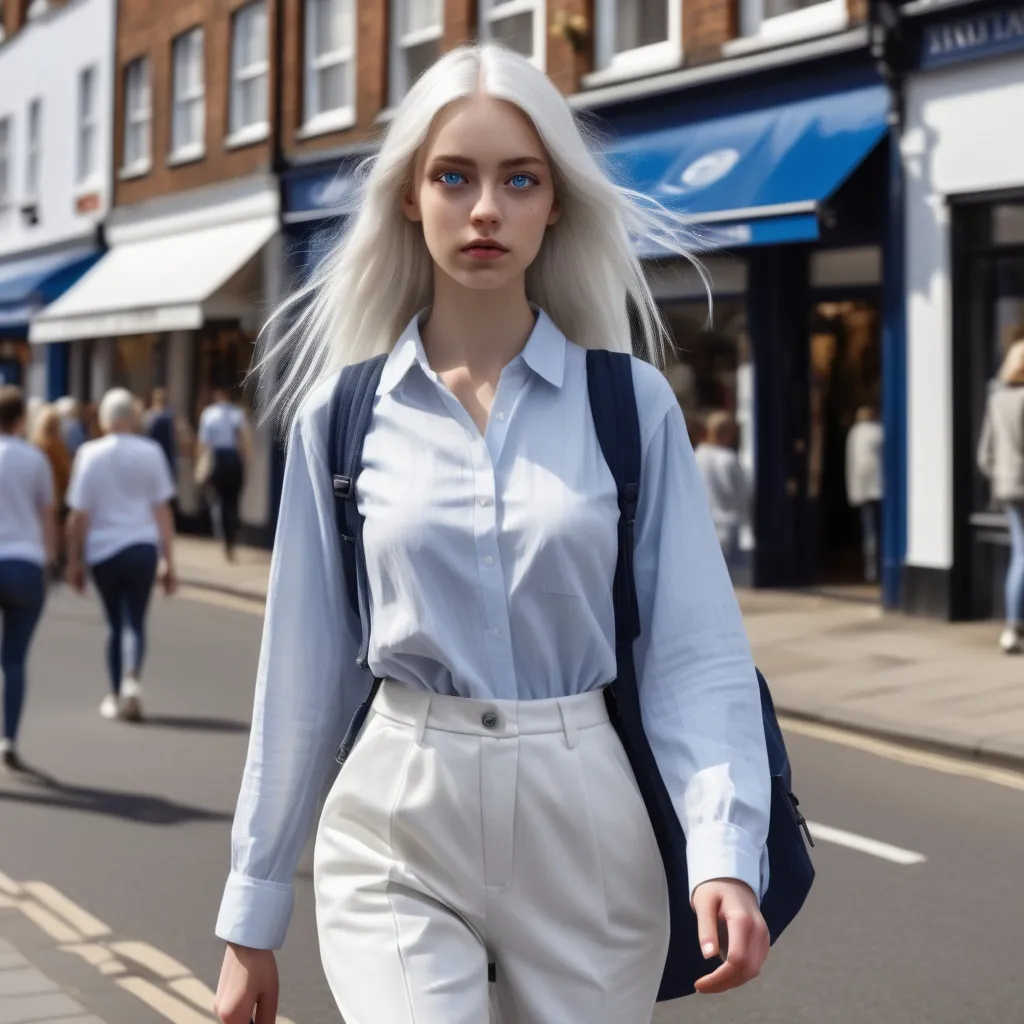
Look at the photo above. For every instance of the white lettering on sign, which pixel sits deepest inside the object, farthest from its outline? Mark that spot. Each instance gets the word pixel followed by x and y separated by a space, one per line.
pixel 997 28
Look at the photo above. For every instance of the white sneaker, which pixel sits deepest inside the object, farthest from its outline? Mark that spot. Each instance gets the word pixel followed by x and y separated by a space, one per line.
pixel 130 701
pixel 108 709
pixel 1010 641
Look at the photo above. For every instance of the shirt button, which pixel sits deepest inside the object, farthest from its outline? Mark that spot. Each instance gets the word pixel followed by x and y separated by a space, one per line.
pixel 485 501
pixel 488 560
pixel 496 631
pixel 489 719
pixel 500 417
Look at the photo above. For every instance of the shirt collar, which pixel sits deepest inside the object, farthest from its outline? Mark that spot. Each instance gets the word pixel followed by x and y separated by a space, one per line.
pixel 544 353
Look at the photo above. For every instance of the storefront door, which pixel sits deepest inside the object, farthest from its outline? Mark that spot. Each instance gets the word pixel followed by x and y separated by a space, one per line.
pixel 844 386
pixel 988 318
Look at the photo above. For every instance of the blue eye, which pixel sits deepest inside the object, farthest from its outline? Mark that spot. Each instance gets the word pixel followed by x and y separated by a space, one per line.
pixel 452 178
pixel 522 180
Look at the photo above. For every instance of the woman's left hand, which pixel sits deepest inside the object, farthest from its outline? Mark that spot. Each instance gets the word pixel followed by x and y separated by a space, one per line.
pixel 733 905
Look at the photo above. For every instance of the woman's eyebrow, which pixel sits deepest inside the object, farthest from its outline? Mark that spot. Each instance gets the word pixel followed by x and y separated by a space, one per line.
pixel 465 161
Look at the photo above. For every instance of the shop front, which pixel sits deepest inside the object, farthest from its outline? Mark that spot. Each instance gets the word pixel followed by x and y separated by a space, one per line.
pixel 27 284
pixel 177 302
pixel 785 184
pixel 965 275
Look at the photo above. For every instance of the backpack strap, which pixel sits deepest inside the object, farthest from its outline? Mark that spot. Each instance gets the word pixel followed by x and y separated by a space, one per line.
pixel 350 412
pixel 617 422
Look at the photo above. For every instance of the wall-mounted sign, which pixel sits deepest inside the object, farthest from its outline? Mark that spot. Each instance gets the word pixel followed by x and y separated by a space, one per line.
pixel 321 191
pixel 968 37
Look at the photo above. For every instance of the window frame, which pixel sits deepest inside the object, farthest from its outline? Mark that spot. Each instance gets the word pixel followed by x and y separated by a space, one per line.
pixel 398 79
pixel 135 117
pixel 87 128
pixel 641 60
pixel 33 148
pixel 497 10
pixel 315 118
pixel 183 99
pixel 255 131
pixel 6 158
pixel 758 31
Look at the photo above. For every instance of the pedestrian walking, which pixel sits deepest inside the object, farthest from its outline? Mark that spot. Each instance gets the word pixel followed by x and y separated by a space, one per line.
pixel 70 411
pixel 725 482
pixel 119 525
pixel 865 484
pixel 48 437
pixel 487 811
pixel 223 447
pixel 27 546
pixel 1001 460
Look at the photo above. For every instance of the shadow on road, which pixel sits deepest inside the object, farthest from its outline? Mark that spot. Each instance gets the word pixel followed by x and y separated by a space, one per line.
pixel 44 790
pixel 189 724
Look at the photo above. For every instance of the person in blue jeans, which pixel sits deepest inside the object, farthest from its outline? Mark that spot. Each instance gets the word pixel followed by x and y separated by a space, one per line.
pixel 120 522
pixel 27 546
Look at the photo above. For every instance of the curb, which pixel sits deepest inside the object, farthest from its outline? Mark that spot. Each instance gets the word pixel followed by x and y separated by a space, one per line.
pixel 926 744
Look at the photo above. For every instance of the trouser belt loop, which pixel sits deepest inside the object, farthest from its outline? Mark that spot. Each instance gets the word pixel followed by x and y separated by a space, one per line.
pixel 568 728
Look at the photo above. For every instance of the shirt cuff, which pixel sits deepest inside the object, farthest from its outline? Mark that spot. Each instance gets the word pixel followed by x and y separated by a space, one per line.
pixel 255 913
pixel 721 850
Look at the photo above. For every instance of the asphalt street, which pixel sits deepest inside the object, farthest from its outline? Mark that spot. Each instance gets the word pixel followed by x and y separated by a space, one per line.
pixel 131 823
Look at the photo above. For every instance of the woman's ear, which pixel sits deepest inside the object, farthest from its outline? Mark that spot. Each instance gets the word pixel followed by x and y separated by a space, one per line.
pixel 411 205
pixel 556 212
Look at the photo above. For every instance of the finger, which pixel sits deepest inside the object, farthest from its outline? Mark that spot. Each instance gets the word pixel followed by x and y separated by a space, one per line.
pixel 266 1009
pixel 706 906
pixel 742 960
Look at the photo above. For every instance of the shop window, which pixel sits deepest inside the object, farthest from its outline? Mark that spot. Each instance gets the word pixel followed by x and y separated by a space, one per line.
pixel 518 24
pixel 330 97
pixel 140 364
pixel 223 358
pixel 249 71
pixel 5 160
pixel 710 369
pixel 188 123
pixel 137 116
pixel 768 22
pixel 638 36
pixel 417 27
pixel 88 129
pixel 34 150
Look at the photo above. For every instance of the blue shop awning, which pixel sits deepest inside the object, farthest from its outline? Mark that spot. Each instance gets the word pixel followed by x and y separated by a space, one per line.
pixel 757 177
pixel 28 284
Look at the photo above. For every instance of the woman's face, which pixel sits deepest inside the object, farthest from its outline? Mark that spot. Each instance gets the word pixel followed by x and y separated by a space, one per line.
pixel 483 190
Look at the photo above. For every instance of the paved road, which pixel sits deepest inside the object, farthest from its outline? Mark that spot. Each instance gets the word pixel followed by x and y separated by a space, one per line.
pixel 131 823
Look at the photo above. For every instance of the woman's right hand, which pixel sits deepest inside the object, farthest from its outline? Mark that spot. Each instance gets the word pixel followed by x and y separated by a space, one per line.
pixel 248 978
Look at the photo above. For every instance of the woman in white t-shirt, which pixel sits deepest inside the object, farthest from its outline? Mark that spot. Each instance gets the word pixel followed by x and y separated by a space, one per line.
pixel 27 545
pixel 120 521
pixel 223 433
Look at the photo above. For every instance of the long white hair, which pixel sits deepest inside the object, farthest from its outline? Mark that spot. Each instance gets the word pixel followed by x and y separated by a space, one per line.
pixel 379 273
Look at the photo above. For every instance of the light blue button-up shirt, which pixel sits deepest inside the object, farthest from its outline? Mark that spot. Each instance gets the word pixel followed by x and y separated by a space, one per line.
pixel 490 561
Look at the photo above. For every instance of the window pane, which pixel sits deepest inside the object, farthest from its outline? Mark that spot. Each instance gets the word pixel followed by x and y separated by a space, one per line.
pixel 516 32
pixel 420 14
pixel 640 23
pixel 85 98
pixel 197 121
pixel 773 8
pixel 5 135
pixel 419 58
pixel 86 156
pixel 332 25
pixel 1008 224
pixel 332 87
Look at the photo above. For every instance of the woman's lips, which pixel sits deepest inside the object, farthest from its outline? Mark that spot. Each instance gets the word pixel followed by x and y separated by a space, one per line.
pixel 484 252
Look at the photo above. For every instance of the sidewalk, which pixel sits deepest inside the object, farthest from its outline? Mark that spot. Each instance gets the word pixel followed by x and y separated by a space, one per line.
pixel 843 663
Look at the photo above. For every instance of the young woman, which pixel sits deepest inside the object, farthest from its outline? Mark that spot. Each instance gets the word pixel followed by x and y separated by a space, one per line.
pixel 120 523
pixel 1001 459
pixel 48 437
pixel 488 812
pixel 27 545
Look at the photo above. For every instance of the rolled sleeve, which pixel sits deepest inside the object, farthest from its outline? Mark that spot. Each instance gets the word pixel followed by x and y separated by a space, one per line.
pixel 698 687
pixel 306 686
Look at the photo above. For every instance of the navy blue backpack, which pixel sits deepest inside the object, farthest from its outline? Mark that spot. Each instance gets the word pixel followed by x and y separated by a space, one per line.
pixel 613 405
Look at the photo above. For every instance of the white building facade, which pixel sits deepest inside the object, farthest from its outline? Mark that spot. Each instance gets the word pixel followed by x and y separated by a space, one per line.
pixel 963 152
pixel 56 103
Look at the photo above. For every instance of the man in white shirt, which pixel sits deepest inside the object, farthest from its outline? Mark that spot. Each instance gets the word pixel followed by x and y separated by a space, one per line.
pixel 864 483
pixel 725 482
pixel 27 545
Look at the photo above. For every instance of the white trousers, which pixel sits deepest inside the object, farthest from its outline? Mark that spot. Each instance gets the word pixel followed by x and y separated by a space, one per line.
pixel 462 832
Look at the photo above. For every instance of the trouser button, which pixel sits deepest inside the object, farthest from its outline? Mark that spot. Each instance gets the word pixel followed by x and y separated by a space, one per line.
pixel 489 719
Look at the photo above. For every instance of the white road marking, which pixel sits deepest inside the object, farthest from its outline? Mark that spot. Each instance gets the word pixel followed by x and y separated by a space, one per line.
pixel 81 920
pixel 49 923
pixel 165 1004
pixel 874 847
pixel 905 755
pixel 152 959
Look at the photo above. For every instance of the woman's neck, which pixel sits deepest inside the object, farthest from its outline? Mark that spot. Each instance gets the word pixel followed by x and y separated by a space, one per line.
pixel 481 330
